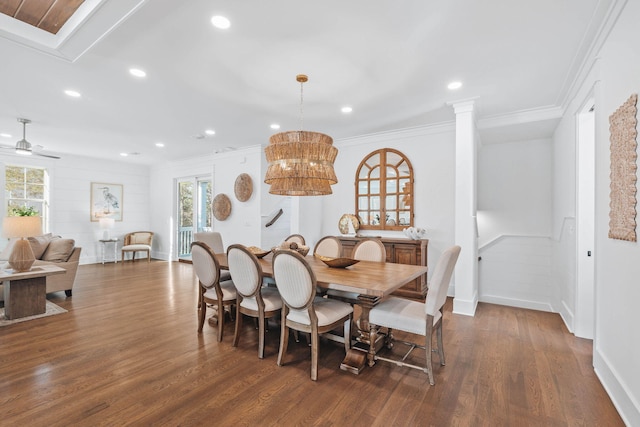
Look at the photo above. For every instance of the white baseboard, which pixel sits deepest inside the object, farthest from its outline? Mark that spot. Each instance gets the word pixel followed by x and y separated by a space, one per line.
pixel 465 307
pixel 567 316
pixel 514 302
pixel 622 399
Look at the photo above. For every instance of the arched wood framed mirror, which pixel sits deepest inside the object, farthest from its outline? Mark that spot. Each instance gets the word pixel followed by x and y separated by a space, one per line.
pixel 384 191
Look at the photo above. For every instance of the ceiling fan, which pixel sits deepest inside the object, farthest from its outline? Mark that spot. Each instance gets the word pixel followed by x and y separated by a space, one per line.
pixel 23 146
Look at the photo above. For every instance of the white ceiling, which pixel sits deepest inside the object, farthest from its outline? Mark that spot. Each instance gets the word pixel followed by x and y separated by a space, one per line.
pixel 391 61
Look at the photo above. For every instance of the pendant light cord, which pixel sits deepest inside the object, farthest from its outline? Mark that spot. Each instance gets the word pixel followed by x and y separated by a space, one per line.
pixel 302 78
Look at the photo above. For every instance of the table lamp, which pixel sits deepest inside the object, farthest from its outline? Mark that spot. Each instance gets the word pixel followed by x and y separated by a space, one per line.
pixel 106 224
pixel 21 258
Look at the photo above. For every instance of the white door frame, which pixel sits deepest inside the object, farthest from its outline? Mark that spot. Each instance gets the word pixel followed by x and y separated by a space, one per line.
pixel 584 319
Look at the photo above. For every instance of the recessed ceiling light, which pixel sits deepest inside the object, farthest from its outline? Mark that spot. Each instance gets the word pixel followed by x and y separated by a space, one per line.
pixel 346 109
pixel 210 132
pixel 454 85
pixel 5 135
pixel 124 154
pixel 159 144
pixel 137 72
pixel 275 126
pixel 220 22
pixel 72 93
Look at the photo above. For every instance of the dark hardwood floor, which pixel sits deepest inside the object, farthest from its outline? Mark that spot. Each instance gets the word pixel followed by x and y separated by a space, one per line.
pixel 127 353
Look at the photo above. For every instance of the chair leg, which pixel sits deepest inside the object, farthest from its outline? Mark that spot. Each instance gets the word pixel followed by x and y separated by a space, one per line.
pixel 220 320
pixel 347 335
pixel 236 336
pixel 428 348
pixel 284 341
pixel 148 256
pixel 315 342
pixel 440 345
pixel 202 309
pixel 388 340
pixel 261 337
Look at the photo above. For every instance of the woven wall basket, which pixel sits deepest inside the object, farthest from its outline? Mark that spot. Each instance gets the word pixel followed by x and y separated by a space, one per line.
pixel 243 187
pixel 221 207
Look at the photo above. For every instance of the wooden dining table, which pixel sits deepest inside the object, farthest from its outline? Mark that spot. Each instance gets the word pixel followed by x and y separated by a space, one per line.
pixel 371 281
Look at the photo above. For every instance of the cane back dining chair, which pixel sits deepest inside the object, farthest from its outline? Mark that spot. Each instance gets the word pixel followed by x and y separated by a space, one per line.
pixel 138 241
pixel 211 289
pixel 253 299
pixel 416 317
pixel 303 310
pixel 364 250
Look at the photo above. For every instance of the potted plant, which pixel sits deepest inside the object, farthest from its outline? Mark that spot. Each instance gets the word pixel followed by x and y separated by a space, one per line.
pixel 23 211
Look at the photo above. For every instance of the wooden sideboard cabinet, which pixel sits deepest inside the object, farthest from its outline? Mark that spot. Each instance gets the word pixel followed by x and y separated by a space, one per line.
pixel 400 251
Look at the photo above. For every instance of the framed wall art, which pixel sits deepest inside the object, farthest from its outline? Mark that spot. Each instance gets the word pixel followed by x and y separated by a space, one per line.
pixel 106 201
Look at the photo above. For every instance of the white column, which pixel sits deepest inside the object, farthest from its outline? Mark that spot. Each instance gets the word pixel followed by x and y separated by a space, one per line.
pixel 466 229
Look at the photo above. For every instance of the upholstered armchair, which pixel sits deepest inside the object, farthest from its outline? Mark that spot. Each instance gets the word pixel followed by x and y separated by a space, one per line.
pixel 138 241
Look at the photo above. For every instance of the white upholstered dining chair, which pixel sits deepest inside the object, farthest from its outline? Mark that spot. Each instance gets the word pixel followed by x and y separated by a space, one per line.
pixel 213 239
pixel 416 317
pixel 211 289
pixel 328 246
pixel 253 299
pixel 364 250
pixel 296 238
pixel 303 310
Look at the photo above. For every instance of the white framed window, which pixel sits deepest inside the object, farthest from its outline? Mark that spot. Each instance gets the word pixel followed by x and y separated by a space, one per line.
pixel 28 186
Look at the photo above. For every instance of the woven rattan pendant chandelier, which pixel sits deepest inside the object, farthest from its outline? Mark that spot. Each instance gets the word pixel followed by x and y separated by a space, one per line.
pixel 300 162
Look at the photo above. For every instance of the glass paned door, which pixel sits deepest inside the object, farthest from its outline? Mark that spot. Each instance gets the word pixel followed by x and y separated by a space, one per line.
pixel 194 212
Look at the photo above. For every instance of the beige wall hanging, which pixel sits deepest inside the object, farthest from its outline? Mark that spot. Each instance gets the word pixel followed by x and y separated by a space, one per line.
pixel 221 207
pixel 243 187
pixel 622 213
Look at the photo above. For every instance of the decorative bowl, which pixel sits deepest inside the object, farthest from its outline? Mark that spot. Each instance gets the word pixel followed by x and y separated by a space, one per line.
pixel 302 250
pixel 337 262
pixel 259 253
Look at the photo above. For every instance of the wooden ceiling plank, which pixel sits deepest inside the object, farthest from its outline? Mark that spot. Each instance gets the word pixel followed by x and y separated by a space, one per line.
pixel 32 11
pixel 58 14
pixel 10 7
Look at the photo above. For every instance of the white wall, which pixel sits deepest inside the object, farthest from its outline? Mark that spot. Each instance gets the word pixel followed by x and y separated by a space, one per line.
pixel 162 189
pixel 514 223
pixel 616 344
pixel 70 180
pixel 514 188
pixel 244 224
pixel 431 151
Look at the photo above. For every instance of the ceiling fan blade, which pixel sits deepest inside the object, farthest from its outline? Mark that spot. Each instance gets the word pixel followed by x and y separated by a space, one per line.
pixel 45 155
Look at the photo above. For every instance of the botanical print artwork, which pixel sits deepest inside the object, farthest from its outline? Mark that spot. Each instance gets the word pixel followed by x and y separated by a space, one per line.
pixel 623 127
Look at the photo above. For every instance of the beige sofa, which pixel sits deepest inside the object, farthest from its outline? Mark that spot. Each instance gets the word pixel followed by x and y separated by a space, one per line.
pixel 49 249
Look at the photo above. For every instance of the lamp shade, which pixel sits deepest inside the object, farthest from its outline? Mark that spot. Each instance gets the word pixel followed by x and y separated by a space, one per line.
pixel 300 163
pixel 21 258
pixel 21 226
pixel 107 223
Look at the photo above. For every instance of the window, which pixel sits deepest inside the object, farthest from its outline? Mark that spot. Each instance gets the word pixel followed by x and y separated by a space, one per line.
pixel 384 191
pixel 25 186
pixel 195 196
